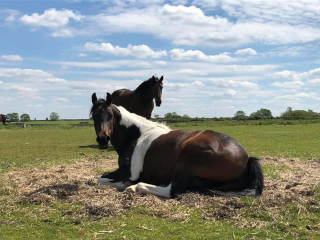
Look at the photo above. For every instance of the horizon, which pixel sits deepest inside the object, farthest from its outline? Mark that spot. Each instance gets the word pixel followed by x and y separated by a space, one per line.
pixel 217 57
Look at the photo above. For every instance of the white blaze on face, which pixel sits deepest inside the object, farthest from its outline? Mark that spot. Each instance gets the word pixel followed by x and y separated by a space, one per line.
pixel 149 131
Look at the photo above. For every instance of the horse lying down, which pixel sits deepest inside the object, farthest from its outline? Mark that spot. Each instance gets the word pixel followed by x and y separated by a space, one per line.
pixel 154 159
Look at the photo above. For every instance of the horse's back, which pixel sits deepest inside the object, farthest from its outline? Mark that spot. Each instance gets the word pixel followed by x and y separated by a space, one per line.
pixel 208 154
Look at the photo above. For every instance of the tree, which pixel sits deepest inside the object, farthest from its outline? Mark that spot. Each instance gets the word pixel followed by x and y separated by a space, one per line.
pixel 185 116
pixel 25 117
pixel 156 116
pixel 54 116
pixel 255 116
pixel 240 115
pixel 265 113
pixel 13 117
pixel 171 115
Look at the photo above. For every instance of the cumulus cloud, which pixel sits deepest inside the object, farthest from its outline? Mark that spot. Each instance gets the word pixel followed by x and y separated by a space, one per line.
pixel 61 100
pixel 180 54
pixel 191 72
pixel 189 25
pixel 82 55
pixel 292 84
pixel 62 33
pixel 139 51
pixel 246 51
pixel 299 96
pixel 22 89
pixel 51 18
pixel 315 82
pixel 55 80
pixel 171 85
pixel 11 57
pixel 12 72
pixel 226 93
pixel 233 83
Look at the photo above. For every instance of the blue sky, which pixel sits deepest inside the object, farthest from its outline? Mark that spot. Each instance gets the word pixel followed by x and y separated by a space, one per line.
pixel 217 57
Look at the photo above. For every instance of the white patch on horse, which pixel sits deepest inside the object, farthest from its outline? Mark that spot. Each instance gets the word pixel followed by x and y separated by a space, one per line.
pixel 119 185
pixel 149 131
pixel 149 188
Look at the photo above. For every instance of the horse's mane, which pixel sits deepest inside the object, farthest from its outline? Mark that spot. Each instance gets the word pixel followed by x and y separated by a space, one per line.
pixel 133 118
pixel 138 120
pixel 144 86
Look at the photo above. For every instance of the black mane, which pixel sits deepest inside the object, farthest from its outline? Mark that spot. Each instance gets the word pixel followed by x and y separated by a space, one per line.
pixel 145 85
pixel 99 102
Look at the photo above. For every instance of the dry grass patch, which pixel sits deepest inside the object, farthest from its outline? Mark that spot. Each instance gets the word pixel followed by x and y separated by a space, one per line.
pixel 76 184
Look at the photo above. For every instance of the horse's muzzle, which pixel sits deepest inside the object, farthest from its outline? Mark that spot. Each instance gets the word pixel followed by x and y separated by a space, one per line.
pixel 158 103
pixel 103 142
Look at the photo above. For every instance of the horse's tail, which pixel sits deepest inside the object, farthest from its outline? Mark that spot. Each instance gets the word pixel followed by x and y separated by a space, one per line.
pixel 249 184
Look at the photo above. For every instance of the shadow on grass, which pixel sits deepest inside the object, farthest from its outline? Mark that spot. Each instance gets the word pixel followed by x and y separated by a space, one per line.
pixel 60 191
pixel 109 149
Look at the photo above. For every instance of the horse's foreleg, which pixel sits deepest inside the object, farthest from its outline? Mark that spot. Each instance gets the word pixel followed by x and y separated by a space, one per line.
pixel 149 188
pixel 116 179
pixel 118 185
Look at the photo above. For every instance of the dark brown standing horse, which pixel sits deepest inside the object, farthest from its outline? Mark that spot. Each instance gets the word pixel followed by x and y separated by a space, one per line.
pixel 140 101
pixel 3 119
pixel 151 155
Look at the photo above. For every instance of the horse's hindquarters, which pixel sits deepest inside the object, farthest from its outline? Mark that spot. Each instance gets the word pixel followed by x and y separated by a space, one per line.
pixel 213 156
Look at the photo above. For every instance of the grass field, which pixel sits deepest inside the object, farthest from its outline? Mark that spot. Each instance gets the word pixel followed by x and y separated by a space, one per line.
pixel 48 190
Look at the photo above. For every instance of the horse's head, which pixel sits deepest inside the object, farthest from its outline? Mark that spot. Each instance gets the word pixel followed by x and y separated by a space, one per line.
pixel 103 118
pixel 157 87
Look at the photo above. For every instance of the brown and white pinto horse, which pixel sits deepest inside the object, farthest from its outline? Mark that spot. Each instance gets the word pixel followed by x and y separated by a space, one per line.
pixel 3 119
pixel 151 156
pixel 140 101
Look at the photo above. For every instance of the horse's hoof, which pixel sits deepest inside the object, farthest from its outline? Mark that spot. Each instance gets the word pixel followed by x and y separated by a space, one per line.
pixel 104 181
pixel 131 189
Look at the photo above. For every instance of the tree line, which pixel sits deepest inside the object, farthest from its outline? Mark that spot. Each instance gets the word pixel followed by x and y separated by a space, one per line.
pixel 14 117
pixel 289 114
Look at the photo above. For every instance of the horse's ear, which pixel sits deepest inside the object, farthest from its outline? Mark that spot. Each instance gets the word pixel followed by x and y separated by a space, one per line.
pixel 109 99
pixel 161 79
pixel 94 98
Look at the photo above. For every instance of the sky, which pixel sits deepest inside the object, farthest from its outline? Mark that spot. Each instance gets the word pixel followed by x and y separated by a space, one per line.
pixel 217 57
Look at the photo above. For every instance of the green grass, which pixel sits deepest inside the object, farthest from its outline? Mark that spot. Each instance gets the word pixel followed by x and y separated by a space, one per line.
pixel 29 147
pixel 43 147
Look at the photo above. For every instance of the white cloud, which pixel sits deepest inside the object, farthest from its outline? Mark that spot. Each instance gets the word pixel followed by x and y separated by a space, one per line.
pixel 12 72
pixel 190 72
pixel 315 82
pixel 139 51
pixel 226 93
pixel 171 85
pixel 246 51
pixel 11 57
pixel 161 63
pixel 1 82
pixel 292 84
pixel 62 33
pixel 299 96
pixel 292 75
pixel 22 89
pixel 51 18
pixel 232 83
pixel 191 26
pixel 55 80
pixel 180 54
pixel 61 100
pixel 82 55
pixel 35 106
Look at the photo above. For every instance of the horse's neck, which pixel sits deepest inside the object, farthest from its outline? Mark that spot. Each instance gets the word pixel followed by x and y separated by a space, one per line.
pixel 145 95
pixel 124 133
